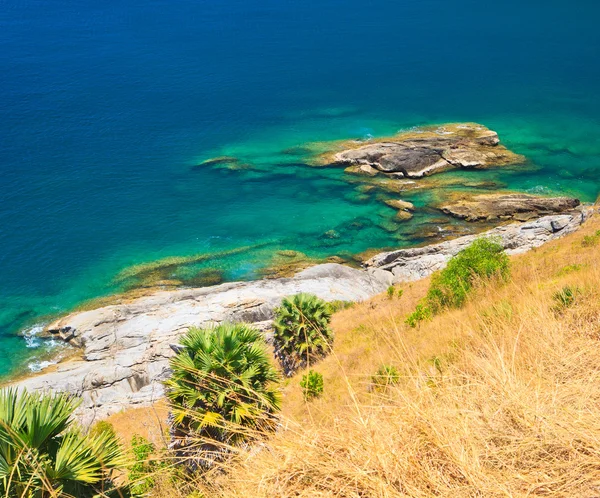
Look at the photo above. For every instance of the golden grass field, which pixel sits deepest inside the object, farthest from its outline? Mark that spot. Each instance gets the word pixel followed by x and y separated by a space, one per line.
pixel 499 398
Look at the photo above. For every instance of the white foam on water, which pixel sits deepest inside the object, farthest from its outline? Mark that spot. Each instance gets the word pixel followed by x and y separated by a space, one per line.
pixel 538 189
pixel 38 366
pixel 31 336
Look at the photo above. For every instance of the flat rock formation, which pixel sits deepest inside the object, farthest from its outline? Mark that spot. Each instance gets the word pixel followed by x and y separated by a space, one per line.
pixel 126 347
pixel 521 207
pixel 422 152
pixel 415 263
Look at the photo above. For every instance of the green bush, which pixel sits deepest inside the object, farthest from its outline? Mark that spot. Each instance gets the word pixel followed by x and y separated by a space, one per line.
pixel 591 240
pixel 335 306
pixel 42 452
pixel 565 298
pixel 483 259
pixel 222 390
pixel 387 375
pixel 141 471
pixel 312 385
pixel 391 292
pixel 422 312
pixel 102 427
pixel 566 270
pixel 302 333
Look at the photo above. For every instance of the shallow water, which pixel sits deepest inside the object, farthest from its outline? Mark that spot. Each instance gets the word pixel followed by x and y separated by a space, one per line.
pixel 106 109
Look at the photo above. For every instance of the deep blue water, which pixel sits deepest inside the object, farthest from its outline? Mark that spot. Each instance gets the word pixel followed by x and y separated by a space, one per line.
pixel 105 107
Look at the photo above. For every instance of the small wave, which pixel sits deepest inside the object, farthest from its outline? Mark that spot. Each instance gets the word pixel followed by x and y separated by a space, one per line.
pixel 31 336
pixel 38 366
pixel 538 189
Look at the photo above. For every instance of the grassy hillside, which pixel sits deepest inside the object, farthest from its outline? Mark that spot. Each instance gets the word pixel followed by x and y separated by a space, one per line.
pixel 498 398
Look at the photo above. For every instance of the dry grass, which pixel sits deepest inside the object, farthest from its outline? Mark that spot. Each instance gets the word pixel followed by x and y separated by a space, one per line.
pixel 499 398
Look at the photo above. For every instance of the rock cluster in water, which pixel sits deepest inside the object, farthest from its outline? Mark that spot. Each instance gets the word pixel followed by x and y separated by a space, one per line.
pixel 423 152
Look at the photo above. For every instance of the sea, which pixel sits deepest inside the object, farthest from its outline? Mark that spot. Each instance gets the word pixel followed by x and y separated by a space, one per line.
pixel 108 110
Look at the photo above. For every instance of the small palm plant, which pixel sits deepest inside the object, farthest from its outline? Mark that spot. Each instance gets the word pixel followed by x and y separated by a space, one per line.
pixel 302 333
pixel 222 391
pixel 43 454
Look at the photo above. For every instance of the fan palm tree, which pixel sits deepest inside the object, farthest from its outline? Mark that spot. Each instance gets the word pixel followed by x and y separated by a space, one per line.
pixel 302 333
pixel 222 391
pixel 43 454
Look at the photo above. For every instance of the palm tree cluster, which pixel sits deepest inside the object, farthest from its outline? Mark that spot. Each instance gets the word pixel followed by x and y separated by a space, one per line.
pixel 302 332
pixel 222 391
pixel 42 453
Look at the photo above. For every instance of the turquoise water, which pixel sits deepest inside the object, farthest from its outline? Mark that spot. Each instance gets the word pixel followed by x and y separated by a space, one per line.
pixel 107 108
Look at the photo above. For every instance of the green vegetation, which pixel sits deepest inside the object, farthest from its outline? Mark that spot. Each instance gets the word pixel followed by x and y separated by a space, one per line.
pixel 483 259
pixel 42 453
pixel 387 375
pixel 565 298
pixel 141 472
pixel 392 292
pixel 221 390
pixel 312 385
pixel 422 312
pixel 302 333
pixel 102 427
pixel 566 270
pixel 591 240
pixel 335 306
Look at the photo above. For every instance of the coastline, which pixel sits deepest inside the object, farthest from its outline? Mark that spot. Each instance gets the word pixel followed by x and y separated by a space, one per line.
pixel 123 349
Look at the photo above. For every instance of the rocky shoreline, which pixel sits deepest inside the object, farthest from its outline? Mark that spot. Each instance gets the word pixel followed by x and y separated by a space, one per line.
pixel 126 347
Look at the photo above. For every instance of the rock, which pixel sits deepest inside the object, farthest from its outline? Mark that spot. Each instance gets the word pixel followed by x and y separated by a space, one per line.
pixel 403 215
pixel 424 151
pixel 362 169
pixel 419 262
pixel 521 207
pixel 400 204
pixel 331 234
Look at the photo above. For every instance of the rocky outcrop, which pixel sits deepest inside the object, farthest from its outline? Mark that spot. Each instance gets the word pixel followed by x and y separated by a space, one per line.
pixel 126 347
pixel 416 263
pixel 425 151
pixel 521 207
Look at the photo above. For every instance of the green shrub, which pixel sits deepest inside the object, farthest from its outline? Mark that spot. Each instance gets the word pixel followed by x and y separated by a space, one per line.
pixel 302 333
pixel 142 470
pixel 391 292
pixel 222 390
pixel 312 385
pixel 565 298
pixel 335 306
pixel 483 259
pixel 422 312
pixel 591 240
pixel 566 270
pixel 42 452
pixel 449 288
pixel 387 375
pixel 102 427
